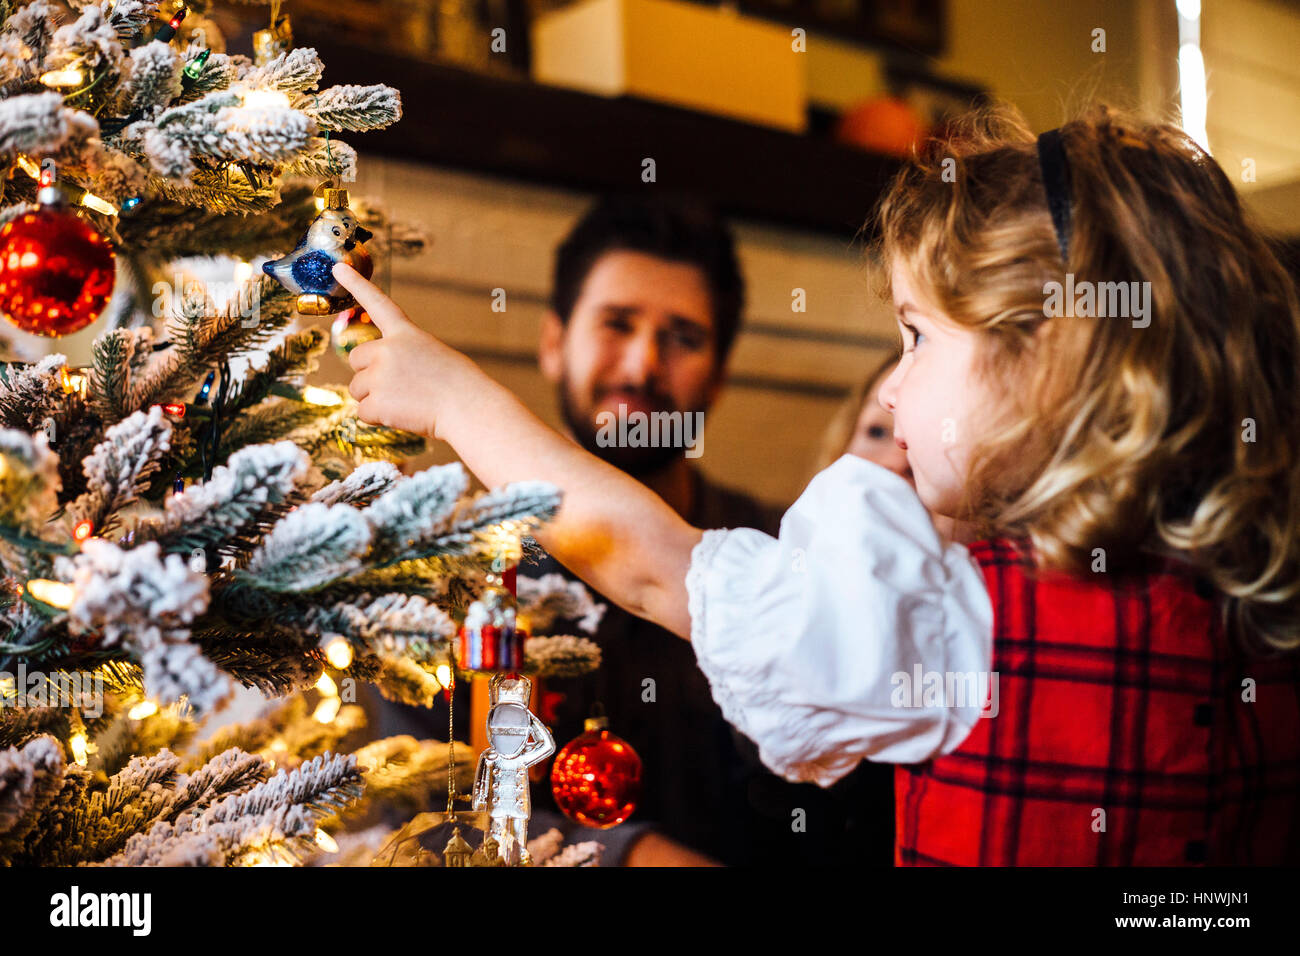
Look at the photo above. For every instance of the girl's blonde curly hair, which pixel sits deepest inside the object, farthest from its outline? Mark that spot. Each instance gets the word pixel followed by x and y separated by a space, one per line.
pixel 1178 438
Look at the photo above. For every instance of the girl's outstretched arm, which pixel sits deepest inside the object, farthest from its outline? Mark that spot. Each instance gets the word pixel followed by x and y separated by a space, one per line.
pixel 611 531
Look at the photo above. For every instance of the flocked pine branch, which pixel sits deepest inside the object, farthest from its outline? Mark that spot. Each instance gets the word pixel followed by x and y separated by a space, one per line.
pixel 296 70
pixel 52 812
pixel 411 509
pixel 313 546
pixel 553 597
pixel 39 123
pixel 366 483
pixel 323 158
pixel 118 470
pixel 129 17
pixel 276 817
pixel 29 481
pixel 205 515
pixel 30 30
pixel 561 656
pixel 356 108
pixel 153 79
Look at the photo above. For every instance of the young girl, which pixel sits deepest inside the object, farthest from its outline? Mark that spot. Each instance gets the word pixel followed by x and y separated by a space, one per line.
pixel 1136 480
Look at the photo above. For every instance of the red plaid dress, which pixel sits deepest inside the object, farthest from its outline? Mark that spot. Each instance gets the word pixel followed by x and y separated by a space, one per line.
pixel 1126 700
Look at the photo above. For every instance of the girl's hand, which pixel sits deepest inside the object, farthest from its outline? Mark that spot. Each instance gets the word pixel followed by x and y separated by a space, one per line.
pixel 398 377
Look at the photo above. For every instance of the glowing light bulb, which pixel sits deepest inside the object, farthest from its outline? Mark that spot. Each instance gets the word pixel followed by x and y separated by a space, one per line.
pixel 73 383
pixel 265 99
pixel 320 396
pixel 84 529
pixel 54 593
pixel 443 673
pixel 68 76
pixel 327 686
pixel 91 201
pixel 326 842
pixel 78 745
pixel 339 653
pixel 327 710
pixel 146 708
pixel 243 271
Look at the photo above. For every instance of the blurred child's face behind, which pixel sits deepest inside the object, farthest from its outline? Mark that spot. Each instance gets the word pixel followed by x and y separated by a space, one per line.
pixel 873 436
pixel 935 396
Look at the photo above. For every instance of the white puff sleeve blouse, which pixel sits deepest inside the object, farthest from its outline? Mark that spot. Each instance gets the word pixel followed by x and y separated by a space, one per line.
pixel 804 638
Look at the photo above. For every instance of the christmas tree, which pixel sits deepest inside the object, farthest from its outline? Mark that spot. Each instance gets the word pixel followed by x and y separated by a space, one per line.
pixel 185 513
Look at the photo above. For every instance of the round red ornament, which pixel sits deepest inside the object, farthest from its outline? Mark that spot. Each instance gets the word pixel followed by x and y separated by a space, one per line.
pixel 596 777
pixel 56 270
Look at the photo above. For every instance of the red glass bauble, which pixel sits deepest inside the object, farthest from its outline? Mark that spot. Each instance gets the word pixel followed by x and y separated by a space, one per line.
pixel 56 271
pixel 596 778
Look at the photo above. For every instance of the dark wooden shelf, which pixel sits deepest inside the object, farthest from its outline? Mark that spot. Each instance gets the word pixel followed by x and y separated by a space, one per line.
pixel 524 130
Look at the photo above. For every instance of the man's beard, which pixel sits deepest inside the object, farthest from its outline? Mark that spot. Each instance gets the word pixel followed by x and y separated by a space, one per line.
pixel 639 461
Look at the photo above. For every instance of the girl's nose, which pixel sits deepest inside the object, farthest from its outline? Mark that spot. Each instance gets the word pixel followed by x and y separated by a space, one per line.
pixel 887 394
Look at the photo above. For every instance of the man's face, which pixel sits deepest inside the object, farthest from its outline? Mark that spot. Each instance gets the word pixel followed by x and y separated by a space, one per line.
pixel 641 335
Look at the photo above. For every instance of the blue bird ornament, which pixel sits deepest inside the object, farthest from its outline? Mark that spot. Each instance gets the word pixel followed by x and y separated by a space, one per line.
pixel 334 235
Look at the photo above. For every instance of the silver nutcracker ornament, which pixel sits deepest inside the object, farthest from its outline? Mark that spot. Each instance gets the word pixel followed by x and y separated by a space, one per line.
pixel 517 740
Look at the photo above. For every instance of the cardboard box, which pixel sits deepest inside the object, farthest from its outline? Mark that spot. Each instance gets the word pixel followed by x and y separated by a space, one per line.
pixel 681 53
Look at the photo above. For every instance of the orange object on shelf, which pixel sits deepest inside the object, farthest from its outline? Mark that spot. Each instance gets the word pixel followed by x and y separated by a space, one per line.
pixel 883 124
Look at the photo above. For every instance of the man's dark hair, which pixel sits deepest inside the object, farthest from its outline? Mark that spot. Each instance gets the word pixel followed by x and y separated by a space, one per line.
pixel 671 231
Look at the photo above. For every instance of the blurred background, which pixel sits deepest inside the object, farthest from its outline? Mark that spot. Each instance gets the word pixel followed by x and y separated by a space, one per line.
pixel 787 115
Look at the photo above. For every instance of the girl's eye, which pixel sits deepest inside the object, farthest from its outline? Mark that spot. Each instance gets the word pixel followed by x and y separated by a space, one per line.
pixel 916 335
pixel 877 432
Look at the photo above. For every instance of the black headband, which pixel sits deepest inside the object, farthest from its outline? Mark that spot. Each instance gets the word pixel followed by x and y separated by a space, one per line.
pixel 1056 181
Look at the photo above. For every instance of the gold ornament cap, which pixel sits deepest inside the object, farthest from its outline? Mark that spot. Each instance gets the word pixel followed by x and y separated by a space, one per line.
pixel 336 198
pixel 595 723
